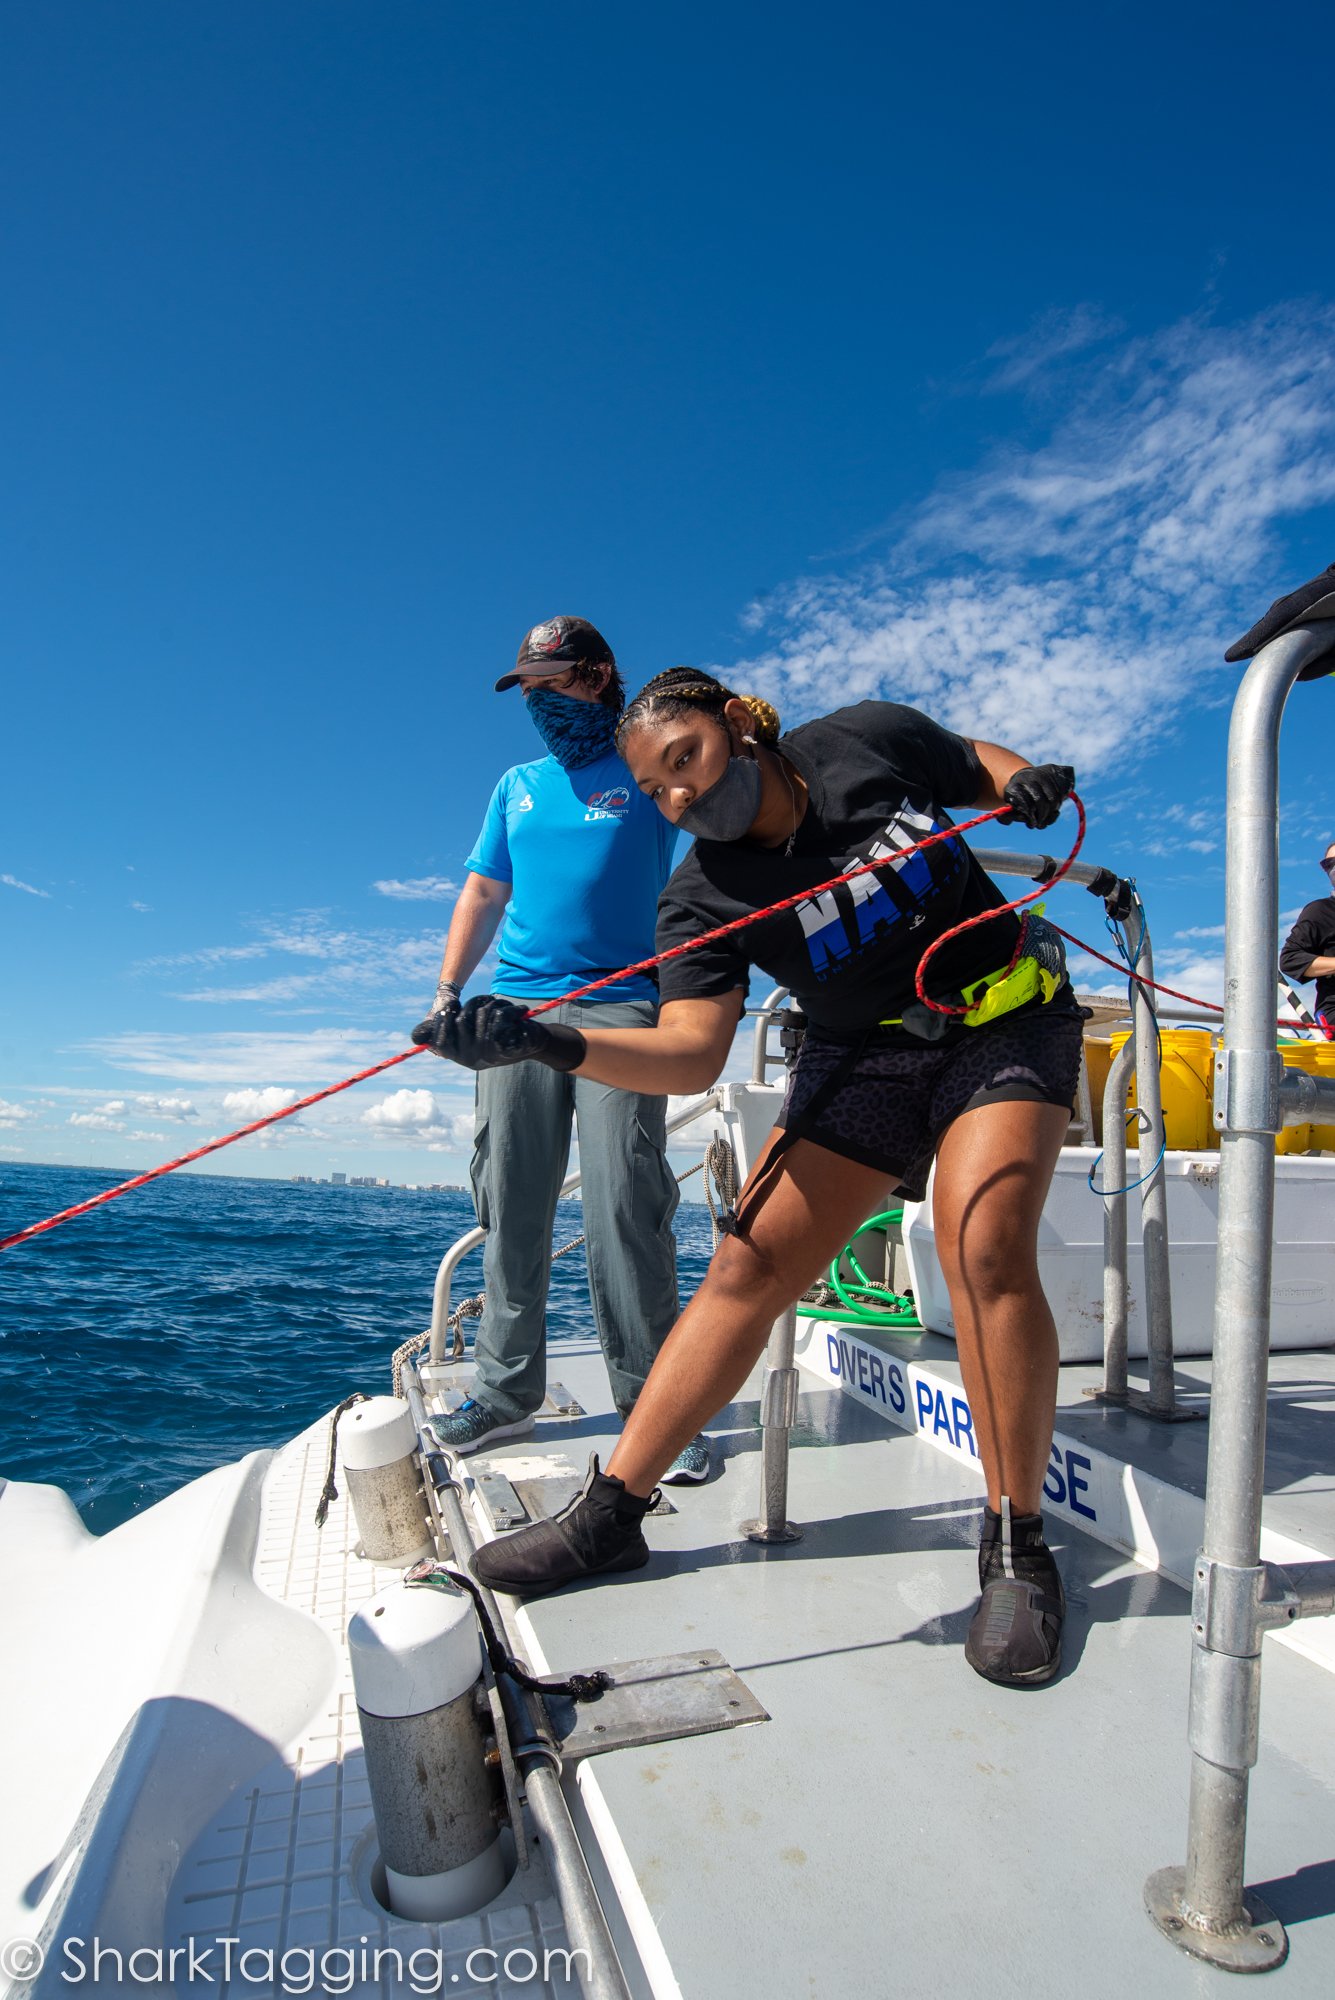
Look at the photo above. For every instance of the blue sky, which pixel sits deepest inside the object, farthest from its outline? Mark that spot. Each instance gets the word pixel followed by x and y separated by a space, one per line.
pixel 984 360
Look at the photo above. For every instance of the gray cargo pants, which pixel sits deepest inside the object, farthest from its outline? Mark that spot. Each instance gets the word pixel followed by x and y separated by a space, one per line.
pixel 520 1153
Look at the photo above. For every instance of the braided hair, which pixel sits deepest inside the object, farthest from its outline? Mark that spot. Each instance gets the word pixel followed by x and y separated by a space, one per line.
pixel 686 691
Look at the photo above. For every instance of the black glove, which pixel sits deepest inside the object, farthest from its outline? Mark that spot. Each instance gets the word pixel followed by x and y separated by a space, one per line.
pixel 489 1033
pixel 1292 610
pixel 1035 794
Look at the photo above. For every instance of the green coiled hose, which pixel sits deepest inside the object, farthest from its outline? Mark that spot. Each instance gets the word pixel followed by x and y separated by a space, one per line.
pixel 866 1302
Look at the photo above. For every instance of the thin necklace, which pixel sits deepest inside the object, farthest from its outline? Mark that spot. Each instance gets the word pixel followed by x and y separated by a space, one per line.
pixel 788 850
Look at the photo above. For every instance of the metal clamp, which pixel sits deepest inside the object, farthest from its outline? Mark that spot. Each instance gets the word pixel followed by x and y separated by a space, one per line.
pixel 1232 1607
pixel 1248 1090
pixel 778 1398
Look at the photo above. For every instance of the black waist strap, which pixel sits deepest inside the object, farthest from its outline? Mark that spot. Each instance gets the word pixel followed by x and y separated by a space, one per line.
pixel 732 1222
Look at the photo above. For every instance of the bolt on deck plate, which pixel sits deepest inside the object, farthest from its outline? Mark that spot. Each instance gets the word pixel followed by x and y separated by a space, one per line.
pixel 560 1403
pixel 1258 1943
pixel 504 1507
pixel 654 1701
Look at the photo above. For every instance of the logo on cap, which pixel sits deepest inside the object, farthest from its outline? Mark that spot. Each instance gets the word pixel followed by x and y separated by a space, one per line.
pixel 547 638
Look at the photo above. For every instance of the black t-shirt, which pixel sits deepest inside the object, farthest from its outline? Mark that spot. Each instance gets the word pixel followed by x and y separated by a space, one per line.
pixel 1313 936
pixel 879 777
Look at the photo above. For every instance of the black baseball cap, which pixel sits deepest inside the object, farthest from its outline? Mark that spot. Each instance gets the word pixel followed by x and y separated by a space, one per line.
pixel 557 645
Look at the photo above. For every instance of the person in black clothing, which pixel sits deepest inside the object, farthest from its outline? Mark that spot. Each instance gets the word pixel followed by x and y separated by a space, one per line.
pixel 882 1085
pixel 1309 949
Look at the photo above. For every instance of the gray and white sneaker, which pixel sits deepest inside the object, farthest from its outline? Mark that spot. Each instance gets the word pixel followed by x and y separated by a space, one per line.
pixel 472 1425
pixel 691 1465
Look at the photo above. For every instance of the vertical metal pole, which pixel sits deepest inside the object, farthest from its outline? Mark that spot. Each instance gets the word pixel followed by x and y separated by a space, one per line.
pixel 1154 1193
pixel 778 1407
pixel 1204 1907
pixel 1115 1093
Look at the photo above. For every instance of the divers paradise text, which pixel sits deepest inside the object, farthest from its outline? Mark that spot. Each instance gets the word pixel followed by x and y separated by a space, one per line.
pixel 940 1411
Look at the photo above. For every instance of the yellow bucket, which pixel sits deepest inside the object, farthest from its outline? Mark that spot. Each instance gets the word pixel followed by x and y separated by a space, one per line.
pixel 1323 1136
pixel 1186 1087
pixel 1098 1061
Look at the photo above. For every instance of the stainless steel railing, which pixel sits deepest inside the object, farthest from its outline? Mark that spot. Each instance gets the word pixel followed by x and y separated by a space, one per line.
pixel 1160 1402
pixel 697 1107
pixel 1204 1907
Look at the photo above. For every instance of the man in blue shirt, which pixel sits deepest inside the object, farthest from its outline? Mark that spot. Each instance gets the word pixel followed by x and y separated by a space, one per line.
pixel 568 866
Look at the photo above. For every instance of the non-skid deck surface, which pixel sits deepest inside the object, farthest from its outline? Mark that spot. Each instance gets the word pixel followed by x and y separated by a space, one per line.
pixel 900 1827
pixel 285 1866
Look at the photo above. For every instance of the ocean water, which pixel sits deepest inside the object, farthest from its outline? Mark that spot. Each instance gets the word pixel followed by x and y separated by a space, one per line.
pixel 201 1317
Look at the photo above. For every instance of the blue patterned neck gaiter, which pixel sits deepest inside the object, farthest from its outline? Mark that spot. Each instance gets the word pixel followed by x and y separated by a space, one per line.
pixel 575 732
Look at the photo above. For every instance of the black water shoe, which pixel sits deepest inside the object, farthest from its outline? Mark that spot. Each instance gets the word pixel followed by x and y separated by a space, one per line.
pixel 1015 1638
pixel 596 1534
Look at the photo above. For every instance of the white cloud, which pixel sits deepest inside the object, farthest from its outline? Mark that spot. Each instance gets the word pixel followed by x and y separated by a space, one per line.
pixel 1200 975
pixel 110 1118
pixel 251 1104
pixel 13 882
pixel 420 1114
pixel 269 989
pixel 320 1056
pixel 421 889
pixel 1024 359
pixel 13 1114
pixel 351 964
pixel 1201 931
pixel 145 908
pixel 1094 577
pixel 178 1109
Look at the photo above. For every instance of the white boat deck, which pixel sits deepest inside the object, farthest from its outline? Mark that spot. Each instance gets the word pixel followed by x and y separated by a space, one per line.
pixel 900 1827
pixel 285 1866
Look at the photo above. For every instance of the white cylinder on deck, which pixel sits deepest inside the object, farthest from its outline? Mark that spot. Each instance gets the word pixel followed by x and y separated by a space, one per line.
pixel 377 1439
pixel 416 1662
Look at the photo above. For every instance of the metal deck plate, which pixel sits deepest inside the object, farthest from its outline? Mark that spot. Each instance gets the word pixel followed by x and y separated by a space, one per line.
pixel 504 1507
pixel 655 1701
pixel 544 1497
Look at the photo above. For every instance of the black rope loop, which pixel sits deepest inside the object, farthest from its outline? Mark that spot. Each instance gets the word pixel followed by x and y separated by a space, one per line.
pixel 432 1575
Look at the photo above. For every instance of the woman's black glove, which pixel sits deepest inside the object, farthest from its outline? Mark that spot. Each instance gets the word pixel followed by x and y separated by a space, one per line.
pixel 488 1033
pixel 1035 794
pixel 1293 610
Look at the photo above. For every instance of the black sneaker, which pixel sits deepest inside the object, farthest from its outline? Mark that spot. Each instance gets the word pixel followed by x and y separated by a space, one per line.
pixel 597 1534
pixel 1015 1638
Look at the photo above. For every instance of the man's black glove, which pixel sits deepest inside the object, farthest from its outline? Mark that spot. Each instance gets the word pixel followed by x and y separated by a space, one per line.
pixel 1295 609
pixel 1035 794
pixel 489 1033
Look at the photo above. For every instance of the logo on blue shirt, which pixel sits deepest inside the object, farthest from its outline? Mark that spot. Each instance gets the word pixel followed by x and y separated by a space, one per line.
pixel 613 804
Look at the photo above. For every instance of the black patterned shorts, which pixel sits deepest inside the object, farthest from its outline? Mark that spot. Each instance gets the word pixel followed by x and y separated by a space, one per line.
pixel 892 1109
